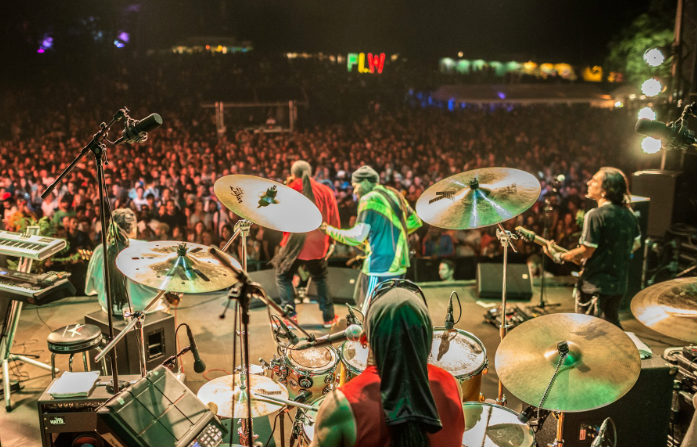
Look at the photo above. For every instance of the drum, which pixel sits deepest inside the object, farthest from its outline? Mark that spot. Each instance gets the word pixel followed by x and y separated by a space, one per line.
pixel 354 357
pixel 490 425
pixel 463 355
pixel 310 369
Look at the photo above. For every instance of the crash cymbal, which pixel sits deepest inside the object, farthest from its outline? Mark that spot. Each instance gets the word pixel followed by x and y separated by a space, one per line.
pixel 602 365
pixel 669 308
pixel 176 266
pixel 478 198
pixel 218 395
pixel 268 203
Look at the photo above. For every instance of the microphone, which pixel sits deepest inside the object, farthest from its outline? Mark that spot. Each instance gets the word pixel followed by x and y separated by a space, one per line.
pixel 136 131
pixel 675 135
pixel 199 366
pixel 287 333
pixel 351 317
pixel 598 441
pixel 351 333
pixel 449 319
pixel 303 396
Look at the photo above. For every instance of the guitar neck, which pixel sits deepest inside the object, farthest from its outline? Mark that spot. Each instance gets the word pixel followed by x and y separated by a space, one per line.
pixel 531 236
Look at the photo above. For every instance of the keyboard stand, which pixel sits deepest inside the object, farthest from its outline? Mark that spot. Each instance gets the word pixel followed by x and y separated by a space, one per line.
pixel 7 336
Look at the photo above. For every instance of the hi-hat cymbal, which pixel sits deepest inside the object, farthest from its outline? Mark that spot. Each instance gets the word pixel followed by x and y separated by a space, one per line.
pixel 218 395
pixel 268 203
pixel 478 198
pixel 602 365
pixel 669 308
pixel 176 266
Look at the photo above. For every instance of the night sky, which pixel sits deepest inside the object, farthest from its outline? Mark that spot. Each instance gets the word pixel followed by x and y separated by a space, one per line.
pixel 551 30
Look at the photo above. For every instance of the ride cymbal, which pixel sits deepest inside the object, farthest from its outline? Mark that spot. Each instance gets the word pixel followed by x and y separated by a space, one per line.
pixel 268 203
pixel 218 395
pixel 176 266
pixel 478 198
pixel 669 308
pixel 602 365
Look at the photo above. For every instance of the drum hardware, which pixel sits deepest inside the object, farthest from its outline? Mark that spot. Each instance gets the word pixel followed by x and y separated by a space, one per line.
pixel 491 425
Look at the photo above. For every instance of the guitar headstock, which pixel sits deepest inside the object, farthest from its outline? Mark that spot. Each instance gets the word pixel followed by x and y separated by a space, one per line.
pixel 525 233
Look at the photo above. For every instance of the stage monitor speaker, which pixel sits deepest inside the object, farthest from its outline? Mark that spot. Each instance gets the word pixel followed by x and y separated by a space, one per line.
pixel 641 206
pixel 73 421
pixel 340 281
pixel 669 192
pixel 641 416
pixel 159 410
pixel 158 328
pixel 490 281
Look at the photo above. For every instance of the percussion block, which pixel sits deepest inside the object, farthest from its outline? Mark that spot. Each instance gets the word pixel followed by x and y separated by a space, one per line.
pixel 641 416
pixel 490 281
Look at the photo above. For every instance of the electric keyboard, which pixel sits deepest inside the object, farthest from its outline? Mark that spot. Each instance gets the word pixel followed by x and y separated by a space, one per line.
pixel 34 289
pixel 29 246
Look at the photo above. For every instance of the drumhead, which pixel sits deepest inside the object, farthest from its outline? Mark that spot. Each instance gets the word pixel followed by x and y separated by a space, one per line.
pixel 463 354
pixel 490 425
pixel 355 356
pixel 317 359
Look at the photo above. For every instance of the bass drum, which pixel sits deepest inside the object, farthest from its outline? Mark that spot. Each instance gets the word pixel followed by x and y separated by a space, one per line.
pixel 490 425
pixel 464 356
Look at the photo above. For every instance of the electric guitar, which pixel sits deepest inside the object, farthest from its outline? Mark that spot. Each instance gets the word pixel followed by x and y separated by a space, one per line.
pixel 531 236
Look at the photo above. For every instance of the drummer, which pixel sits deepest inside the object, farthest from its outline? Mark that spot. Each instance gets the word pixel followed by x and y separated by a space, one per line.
pixel 399 399
pixel 123 230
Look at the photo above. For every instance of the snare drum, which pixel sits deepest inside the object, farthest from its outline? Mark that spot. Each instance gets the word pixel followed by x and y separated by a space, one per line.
pixel 463 355
pixel 310 369
pixel 490 425
pixel 354 358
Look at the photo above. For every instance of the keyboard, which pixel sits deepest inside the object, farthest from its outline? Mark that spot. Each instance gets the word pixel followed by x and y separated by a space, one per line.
pixel 29 246
pixel 34 289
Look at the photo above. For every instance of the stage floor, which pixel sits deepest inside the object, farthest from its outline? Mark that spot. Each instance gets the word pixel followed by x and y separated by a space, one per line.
pixel 20 427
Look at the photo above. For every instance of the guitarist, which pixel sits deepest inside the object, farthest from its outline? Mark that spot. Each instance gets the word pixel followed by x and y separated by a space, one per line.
pixel 610 235
pixel 383 225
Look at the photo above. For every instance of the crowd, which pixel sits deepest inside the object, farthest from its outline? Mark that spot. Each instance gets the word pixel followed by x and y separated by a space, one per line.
pixel 168 180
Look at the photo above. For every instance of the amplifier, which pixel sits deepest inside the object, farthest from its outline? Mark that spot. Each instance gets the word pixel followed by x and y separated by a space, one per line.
pixel 159 410
pixel 490 281
pixel 63 422
pixel 158 328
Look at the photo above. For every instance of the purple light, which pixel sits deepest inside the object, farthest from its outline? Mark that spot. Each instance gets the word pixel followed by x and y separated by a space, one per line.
pixel 41 51
pixel 501 95
pixel 124 36
pixel 119 44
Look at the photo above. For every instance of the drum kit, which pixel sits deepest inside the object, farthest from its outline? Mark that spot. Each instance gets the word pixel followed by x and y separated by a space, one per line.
pixel 557 363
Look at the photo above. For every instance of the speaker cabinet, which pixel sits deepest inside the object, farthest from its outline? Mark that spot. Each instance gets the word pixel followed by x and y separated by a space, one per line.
pixel 672 198
pixel 340 281
pixel 641 416
pixel 641 206
pixel 158 329
pixel 73 421
pixel 490 281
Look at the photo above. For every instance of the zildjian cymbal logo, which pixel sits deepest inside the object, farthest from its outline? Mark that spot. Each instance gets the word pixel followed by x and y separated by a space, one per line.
pixel 268 197
pixel 440 195
pixel 237 192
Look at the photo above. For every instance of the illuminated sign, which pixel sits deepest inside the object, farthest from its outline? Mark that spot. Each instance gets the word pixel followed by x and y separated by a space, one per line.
pixel 365 62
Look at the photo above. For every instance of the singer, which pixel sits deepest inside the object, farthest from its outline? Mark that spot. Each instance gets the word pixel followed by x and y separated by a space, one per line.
pixel 610 235
pixel 399 399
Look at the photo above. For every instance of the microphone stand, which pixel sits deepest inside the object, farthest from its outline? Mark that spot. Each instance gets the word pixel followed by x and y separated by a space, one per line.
pixel 504 236
pixel 98 148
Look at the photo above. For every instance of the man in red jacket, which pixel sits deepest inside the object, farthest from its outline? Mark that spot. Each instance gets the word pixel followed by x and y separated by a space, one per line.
pixel 308 249
pixel 399 400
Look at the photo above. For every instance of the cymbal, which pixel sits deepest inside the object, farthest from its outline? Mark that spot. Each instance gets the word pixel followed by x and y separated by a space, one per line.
pixel 268 203
pixel 478 198
pixel 218 395
pixel 176 266
pixel 669 308
pixel 602 365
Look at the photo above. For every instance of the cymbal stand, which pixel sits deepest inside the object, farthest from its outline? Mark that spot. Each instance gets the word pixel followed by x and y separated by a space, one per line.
pixel 505 237
pixel 242 228
pixel 563 349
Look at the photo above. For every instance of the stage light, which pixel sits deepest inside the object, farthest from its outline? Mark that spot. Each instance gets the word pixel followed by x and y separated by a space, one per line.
pixel 650 145
pixel 619 104
pixel 651 87
pixel 654 57
pixel 646 113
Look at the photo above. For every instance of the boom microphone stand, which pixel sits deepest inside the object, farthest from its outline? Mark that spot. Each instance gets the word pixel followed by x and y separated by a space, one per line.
pixel 98 148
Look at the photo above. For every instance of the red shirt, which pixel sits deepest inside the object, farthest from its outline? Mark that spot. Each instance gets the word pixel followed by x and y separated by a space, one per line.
pixel 363 393
pixel 316 242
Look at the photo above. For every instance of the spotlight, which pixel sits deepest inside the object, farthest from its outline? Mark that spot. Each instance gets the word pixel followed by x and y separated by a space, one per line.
pixel 647 113
pixel 651 87
pixel 650 145
pixel 654 57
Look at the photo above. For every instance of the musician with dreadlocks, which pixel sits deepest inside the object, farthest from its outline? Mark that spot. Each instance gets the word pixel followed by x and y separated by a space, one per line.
pixel 610 234
pixel 400 399
pixel 307 249
pixel 123 229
